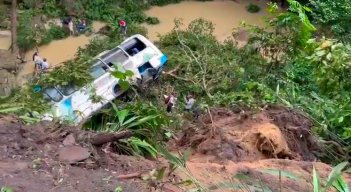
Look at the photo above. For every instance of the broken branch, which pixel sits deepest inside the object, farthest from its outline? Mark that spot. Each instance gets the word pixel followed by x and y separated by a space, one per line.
pixel 103 138
pixel 129 176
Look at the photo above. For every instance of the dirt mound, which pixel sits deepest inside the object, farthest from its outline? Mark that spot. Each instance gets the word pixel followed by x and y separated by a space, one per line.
pixel 272 133
pixel 35 158
pixel 254 146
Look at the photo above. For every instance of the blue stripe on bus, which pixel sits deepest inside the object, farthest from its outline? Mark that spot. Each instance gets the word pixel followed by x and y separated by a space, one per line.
pixel 163 59
pixel 67 109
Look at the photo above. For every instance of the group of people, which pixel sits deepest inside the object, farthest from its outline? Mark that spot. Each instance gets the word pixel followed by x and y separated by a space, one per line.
pixel 190 105
pixel 81 26
pixel 40 65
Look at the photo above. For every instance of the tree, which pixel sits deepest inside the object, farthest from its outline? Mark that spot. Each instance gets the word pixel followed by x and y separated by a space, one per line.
pixel 335 16
pixel 14 47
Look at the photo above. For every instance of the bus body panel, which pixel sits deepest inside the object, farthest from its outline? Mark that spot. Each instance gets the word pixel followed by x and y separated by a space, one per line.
pixel 136 53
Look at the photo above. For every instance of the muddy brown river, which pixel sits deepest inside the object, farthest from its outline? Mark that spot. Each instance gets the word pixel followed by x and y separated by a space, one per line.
pixel 225 14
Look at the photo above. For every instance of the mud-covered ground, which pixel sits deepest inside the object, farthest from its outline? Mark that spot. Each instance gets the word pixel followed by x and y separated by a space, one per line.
pixel 50 157
pixel 40 158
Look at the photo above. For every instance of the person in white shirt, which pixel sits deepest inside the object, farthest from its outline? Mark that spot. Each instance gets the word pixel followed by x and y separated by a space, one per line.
pixel 44 65
pixel 190 106
pixel 37 61
pixel 189 102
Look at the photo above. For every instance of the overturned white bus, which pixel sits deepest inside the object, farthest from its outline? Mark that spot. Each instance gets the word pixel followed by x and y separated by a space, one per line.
pixel 136 54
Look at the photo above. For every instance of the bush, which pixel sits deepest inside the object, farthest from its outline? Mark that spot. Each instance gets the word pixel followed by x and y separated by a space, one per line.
pixel 4 19
pixel 152 20
pixel 55 32
pixel 26 34
pixel 163 2
pixel 252 8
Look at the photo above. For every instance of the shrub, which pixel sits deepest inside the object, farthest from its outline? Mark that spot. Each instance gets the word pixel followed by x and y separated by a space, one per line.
pixel 163 2
pixel 152 20
pixel 252 8
pixel 55 32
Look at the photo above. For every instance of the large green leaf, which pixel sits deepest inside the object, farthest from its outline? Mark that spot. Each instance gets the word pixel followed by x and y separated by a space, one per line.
pixel 121 115
pixel 141 121
pixel 340 185
pixel 11 109
pixel 316 181
pixel 335 174
pixel 129 121
pixel 124 85
pixel 275 172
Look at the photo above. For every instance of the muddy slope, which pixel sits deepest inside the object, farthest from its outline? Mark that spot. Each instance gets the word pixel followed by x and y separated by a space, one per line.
pixel 252 144
pixel 45 157
pixel 50 157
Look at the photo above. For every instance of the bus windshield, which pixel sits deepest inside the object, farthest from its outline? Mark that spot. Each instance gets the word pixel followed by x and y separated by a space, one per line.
pixel 67 90
pixel 53 94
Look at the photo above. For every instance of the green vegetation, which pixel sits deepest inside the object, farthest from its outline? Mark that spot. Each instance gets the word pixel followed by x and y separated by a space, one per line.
pixel 252 8
pixel 152 20
pixel 285 63
pixel 6 189
pixel 247 183
pixel 334 17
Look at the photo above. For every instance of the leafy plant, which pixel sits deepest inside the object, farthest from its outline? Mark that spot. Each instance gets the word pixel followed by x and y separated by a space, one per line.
pixel 253 8
pixel 6 189
pixel 152 20
pixel 141 147
pixel 118 189
pixel 334 180
pixel 333 16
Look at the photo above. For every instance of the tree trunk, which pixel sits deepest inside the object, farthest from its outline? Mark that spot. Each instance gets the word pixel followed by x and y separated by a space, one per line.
pixel 103 138
pixel 14 47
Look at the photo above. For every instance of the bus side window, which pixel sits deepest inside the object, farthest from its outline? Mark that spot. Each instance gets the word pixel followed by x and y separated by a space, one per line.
pixel 133 46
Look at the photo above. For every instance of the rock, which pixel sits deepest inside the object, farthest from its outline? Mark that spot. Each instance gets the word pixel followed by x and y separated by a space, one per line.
pixel 69 140
pixel 73 154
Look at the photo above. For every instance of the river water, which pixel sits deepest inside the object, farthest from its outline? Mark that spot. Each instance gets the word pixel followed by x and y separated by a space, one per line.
pixel 225 14
pixel 56 52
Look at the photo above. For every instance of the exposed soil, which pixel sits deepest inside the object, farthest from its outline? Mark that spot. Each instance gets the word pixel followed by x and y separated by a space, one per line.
pixel 51 157
pixel 30 161
pixel 250 143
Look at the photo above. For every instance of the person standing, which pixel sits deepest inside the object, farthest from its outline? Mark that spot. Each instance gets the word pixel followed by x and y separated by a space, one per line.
pixel 82 25
pixel 44 65
pixel 189 102
pixel 37 61
pixel 190 106
pixel 70 26
pixel 123 26
pixel 170 102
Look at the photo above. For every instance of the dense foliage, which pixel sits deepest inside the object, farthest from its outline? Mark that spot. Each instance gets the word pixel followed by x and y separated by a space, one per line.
pixel 333 16
pixel 283 63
